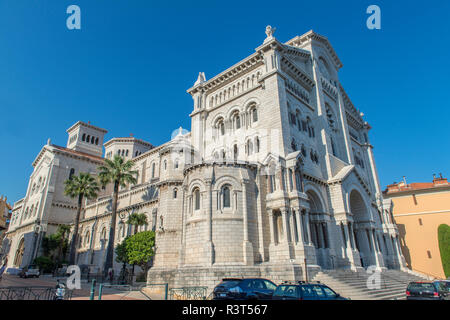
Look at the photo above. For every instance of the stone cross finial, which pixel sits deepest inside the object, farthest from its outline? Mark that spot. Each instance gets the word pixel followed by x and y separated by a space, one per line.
pixel 269 32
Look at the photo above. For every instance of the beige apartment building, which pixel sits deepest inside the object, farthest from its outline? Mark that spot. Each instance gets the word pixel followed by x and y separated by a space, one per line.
pixel 419 209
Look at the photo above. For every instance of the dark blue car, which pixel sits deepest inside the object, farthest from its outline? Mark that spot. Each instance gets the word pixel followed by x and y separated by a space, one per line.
pixel 305 291
pixel 244 289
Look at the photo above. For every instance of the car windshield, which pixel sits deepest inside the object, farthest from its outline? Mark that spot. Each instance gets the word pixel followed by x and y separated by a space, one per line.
pixel 229 283
pixel 286 291
pixel 307 291
pixel 418 286
pixel 445 286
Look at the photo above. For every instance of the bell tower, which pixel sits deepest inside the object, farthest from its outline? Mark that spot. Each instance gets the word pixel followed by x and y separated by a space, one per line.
pixel 86 138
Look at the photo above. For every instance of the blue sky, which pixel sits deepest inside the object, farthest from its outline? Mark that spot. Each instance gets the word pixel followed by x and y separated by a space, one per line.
pixel 128 68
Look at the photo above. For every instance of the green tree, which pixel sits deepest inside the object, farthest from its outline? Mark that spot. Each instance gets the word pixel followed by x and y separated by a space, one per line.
pixel 118 172
pixel 444 247
pixel 121 252
pixel 140 249
pixel 136 220
pixel 62 234
pixel 82 186
pixel 122 255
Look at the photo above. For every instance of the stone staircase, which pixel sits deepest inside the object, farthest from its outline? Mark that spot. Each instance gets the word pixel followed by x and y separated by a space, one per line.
pixel 353 285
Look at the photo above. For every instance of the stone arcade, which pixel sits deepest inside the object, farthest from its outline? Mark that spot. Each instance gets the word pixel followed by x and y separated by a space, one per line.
pixel 277 169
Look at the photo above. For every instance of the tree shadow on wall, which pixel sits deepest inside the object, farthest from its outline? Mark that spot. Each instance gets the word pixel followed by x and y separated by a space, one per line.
pixel 403 246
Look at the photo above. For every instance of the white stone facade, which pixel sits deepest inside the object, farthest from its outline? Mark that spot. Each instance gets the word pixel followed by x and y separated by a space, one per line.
pixel 277 169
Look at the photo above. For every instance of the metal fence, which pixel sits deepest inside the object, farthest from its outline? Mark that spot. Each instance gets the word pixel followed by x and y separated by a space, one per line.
pixel 31 293
pixel 188 293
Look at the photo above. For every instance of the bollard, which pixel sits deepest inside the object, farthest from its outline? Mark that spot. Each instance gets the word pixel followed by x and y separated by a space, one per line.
pixel 166 288
pixel 92 290
pixel 100 290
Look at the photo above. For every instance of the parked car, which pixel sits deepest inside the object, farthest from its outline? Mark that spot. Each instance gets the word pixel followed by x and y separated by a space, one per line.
pixel 30 272
pixel 13 271
pixel 302 290
pixel 445 284
pixel 244 289
pixel 426 290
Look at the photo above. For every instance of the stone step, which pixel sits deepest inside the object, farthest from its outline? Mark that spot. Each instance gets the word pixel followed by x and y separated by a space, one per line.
pixel 354 284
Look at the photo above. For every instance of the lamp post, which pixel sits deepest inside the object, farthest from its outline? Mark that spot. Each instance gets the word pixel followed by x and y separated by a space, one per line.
pixel 37 231
pixel 122 216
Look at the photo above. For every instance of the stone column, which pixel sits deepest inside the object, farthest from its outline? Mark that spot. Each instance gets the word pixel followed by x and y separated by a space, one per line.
pixel 351 235
pixel 319 233
pixel 209 247
pixel 294 179
pixel 375 249
pixel 300 230
pixel 247 245
pixel 308 230
pixel 272 227
pixel 285 218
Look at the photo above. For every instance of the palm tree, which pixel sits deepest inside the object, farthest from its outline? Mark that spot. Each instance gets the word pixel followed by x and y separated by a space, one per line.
pixel 137 219
pixel 119 173
pixel 63 231
pixel 82 186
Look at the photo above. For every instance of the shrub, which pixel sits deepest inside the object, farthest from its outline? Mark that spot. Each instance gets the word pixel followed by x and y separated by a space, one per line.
pixel 45 264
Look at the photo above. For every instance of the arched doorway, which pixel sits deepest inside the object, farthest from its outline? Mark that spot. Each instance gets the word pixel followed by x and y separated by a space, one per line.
pixel 361 234
pixel 319 230
pixel 19 253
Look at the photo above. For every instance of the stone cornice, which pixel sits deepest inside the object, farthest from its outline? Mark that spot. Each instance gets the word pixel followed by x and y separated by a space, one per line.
pixel 128 140
pixel 85 125
pixel 312 36
pixel 296 73
pixel 229 74
pixel 236 164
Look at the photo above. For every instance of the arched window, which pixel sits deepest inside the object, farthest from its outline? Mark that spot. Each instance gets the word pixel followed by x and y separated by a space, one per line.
pixel 96 141
pixel 176 164
pixel 220 126
pixel 254 115
pixel 226 197
pixel 256 144
pixel 303 150
pixel 237 121
pixel 92 139
pixel 175 191
pixel 103 234
pixel 35 209
pixel 235 152
pixel 72 172
pixel 249 147
pixel 126 154
pixel 196 199
pixel 88 138
pixel 293 145
pixel 83 138
pixel 87 238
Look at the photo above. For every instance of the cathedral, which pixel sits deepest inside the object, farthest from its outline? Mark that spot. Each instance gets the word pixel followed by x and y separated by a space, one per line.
pixel 276 177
